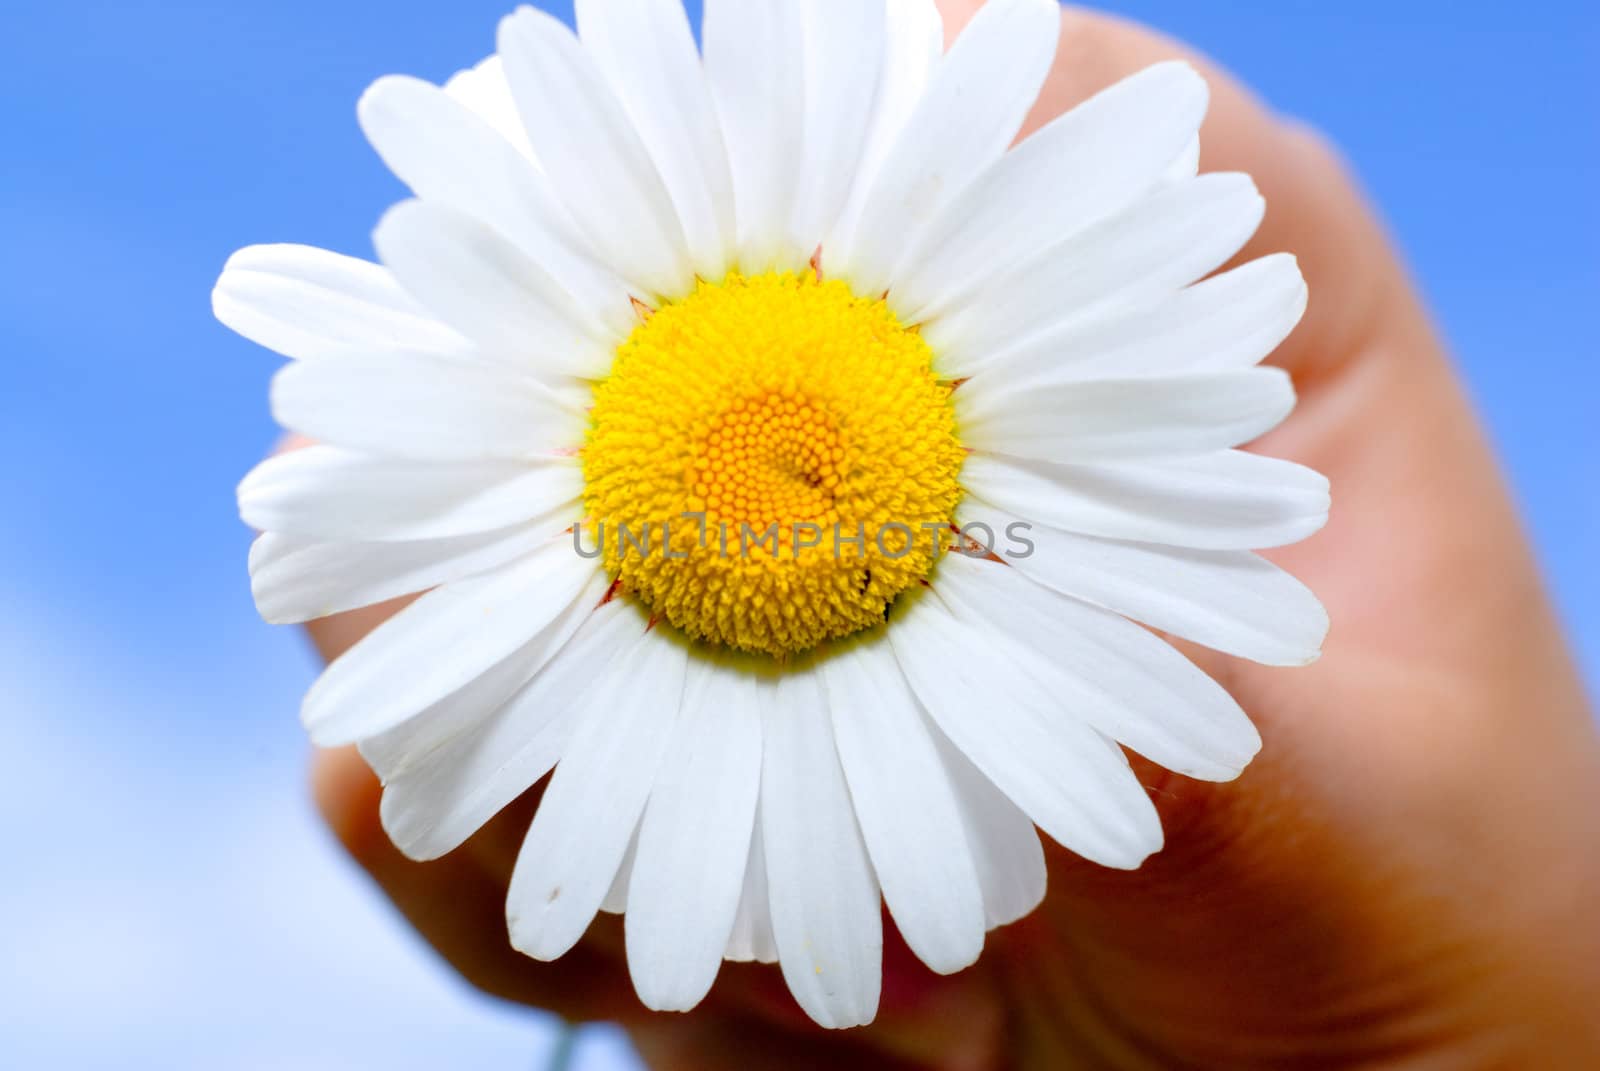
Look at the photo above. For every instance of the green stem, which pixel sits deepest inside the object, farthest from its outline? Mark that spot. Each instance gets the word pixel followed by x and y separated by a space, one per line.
pixel 566 1048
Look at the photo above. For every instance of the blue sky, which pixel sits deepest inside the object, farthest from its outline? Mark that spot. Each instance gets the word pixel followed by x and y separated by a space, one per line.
pixel 168 899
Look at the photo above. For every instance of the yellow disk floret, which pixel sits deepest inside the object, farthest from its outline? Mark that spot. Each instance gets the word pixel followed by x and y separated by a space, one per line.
pixel 770 463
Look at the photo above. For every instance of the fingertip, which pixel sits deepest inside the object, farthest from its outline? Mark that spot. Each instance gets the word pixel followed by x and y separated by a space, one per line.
pixel 333 636
pixel 347 794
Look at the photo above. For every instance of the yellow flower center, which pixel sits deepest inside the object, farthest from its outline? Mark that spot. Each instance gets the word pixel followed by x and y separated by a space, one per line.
pixel 770 463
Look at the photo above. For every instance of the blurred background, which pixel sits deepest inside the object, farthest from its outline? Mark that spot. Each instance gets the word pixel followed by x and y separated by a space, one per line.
pixel 168 900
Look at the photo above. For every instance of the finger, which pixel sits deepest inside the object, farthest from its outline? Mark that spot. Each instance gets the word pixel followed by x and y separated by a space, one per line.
pixel 1314 212
pixel 458 905
pixel 333 636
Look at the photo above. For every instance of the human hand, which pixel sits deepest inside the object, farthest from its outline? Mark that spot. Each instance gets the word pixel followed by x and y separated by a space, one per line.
pixel 1403 878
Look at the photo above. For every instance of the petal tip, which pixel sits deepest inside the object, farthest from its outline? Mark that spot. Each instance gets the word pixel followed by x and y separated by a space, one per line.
pixel 534 942
pixel 395 221
pixel 956 961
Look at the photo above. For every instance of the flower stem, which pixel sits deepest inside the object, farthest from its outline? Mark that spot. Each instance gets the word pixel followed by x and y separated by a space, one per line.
pixel 566 1048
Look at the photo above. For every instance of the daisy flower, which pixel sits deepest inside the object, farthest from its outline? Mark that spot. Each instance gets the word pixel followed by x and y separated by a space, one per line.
pixel 794 467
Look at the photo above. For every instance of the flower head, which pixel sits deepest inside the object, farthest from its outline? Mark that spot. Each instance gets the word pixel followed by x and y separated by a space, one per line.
pixel 789 464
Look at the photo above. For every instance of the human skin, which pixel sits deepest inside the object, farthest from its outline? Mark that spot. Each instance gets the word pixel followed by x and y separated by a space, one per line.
pixel 1406 877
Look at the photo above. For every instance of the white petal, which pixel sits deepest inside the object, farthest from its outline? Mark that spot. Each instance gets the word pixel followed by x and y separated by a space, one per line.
pixel 1086 165
pixel 297 580
pixel 844 48
pixel 1063 774
pixel 593 156
pixel 329 494
pixel 974 105
pixel 1005 847
pixel 485 287
pixel 594 800
pixel 1185 166
pixel 616 901
pixel 1163 242
pixel 751 939
pixel 1226 323
pixel 443 794
pixel 1088 664
pixel 394 751
pixel 483 89
pixel 913 43
pixel 412 405
pixel 1115 419
pixel 647 51
pixel 826 914
pixel 417 740
pixel 452 157
pixel 439 643
pixel 755 66
pixel 1229 500
pixel 1228 600
pixel 694 840
pixel 905 805
pixel 310 304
